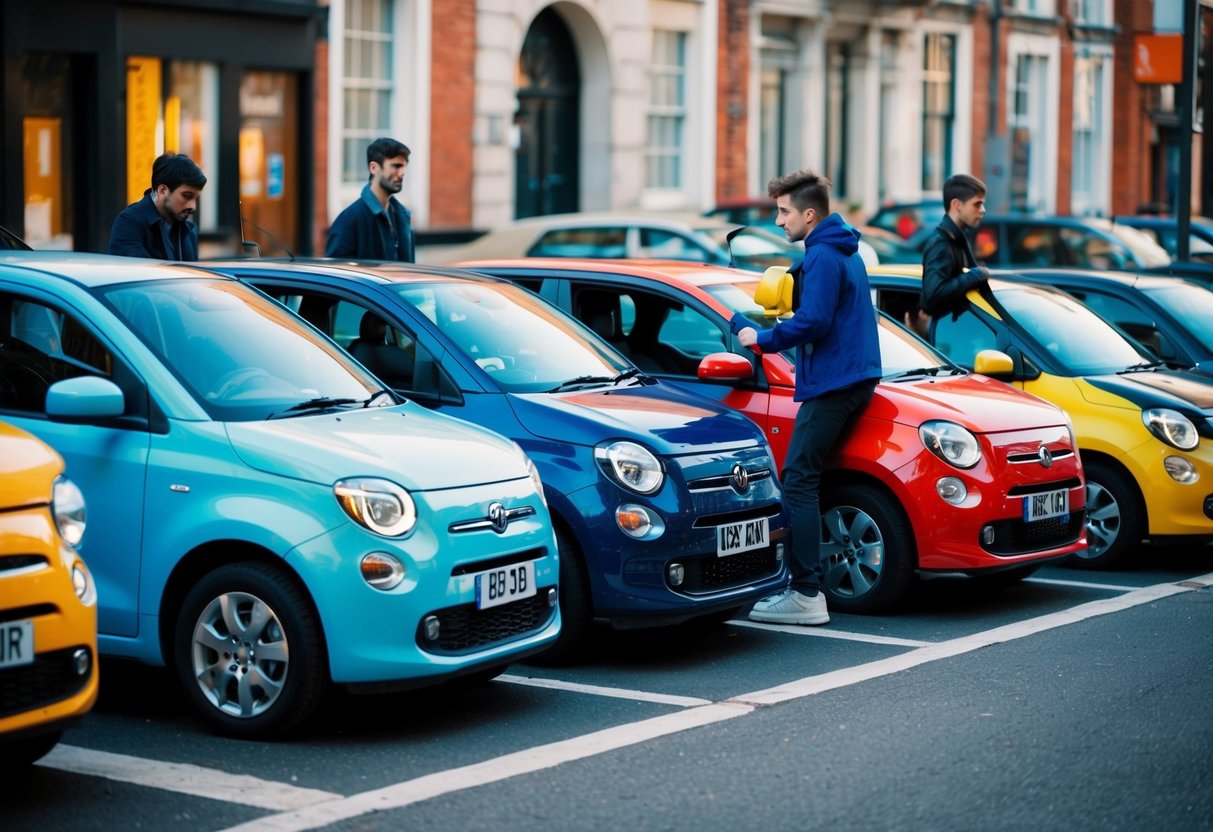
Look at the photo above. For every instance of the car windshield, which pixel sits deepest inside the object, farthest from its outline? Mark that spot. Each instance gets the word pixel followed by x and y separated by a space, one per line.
pixel 900 351
pixel 1191 305
pixel 753 248
pixel 525 344
pixel 240 354
pixel 1146 250
pixel 1078 338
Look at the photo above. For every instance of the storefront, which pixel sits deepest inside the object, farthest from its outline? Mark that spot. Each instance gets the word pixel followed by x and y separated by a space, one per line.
pixel 94 90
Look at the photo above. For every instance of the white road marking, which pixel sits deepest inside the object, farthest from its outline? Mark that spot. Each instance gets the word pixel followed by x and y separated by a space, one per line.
pixel 597 690
pixel 1080 584
pixel 823 633
pixel 185 779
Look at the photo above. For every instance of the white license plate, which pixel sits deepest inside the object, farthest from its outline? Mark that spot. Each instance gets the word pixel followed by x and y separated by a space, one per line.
pixel 1044 506
pixel 501 586
pixel 16 643
pixel 742 537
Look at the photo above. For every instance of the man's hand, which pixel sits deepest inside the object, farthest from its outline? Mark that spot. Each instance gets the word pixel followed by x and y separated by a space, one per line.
pixel 748 337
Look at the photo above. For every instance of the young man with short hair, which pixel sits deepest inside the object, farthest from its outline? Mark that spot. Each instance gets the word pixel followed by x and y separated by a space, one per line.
pixel 833 328
pixel 159 225
pixel 376 226
pixel 949 251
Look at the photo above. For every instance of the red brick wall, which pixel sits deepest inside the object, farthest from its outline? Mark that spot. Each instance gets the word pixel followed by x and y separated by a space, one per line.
pixel 732 111
pixel 452 92
pixel 320 159
pixel 981 92
pixel 1065 122
pixel 1130 173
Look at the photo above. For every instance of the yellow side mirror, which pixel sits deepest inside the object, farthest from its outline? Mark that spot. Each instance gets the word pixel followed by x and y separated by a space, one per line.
pixel 993 363
pixel 774 292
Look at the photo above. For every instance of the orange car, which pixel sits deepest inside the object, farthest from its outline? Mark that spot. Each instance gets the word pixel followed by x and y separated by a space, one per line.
pixel 48 602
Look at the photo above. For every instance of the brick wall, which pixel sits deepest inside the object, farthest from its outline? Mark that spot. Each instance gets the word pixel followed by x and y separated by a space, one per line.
pixel 1065 121
pixel 732 84
pixel 981 91
pixel 1130 174
pixel 452 91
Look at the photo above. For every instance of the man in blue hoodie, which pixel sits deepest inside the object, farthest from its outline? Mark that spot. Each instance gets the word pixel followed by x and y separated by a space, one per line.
pixel 833 328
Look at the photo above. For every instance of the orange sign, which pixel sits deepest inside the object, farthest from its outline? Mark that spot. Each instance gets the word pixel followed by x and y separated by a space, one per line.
pixel 142 120
pixel 1158 59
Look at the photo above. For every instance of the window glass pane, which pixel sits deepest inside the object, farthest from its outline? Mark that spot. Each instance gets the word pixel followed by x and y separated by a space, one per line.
pixel 667 110
pixel 368 80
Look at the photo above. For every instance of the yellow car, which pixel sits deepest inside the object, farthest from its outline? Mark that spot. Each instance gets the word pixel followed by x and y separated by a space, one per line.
pixel 1144 430
pixel 48 602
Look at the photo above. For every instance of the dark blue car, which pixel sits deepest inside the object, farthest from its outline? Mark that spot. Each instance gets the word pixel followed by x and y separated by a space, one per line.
pixel 665 504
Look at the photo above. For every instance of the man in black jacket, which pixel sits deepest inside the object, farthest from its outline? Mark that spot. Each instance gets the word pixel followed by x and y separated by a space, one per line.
pixel 159 225
pixel 375 226
pixel 949 251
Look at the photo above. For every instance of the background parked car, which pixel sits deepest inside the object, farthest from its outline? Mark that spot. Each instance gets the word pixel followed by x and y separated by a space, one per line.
pixel 1164 230
pixel 48 603
pixel 910 220
pixel 1145 432
pixel 876 245
pixel 895 501
pixel 665 503
pixel 1021 241
pixel 265 517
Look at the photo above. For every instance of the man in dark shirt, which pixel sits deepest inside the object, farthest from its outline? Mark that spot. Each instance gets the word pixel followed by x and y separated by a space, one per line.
pixel 159 225
pixel 949 251
pixel 376 226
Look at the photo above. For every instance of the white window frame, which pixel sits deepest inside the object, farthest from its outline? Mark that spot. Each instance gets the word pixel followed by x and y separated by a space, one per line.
pixel 1042 183
pixel 674 112
pixel 962 81
pixel 1096 201
pixel 1102 9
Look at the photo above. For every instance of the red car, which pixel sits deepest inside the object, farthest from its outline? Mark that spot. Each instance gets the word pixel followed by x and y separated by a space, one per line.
pixel 946 471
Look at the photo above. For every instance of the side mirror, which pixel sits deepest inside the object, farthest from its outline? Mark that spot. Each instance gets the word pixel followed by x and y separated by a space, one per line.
pixel 993 363
pixel 251 249
pixel 84 398
pixel 774 292
pixel 725 366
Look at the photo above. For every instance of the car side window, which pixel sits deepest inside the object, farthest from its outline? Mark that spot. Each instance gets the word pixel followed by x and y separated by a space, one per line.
pixel 1035 245
pixel 610 241
pixel 668 245
pixel 1091 251
pixel 40 345
pixel 1131 319
pixel 691 333
pixel 961 337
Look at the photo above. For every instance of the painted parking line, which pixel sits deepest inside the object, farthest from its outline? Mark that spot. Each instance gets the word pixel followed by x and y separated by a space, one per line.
pixel 541 757
pixel 1080 584
pixel 598 690
pixel 798 630
pixel 184 779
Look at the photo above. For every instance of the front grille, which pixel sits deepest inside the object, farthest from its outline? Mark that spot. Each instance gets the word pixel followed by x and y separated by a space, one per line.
pixel 722 481
pixel 464 629
pixel 10 564
pixel 51 678
pixel 1044 487
pixel 498 563
pixel 1034 456
pixel 709 521
pixel 712 573
pixel 31 611
pixel 1015 537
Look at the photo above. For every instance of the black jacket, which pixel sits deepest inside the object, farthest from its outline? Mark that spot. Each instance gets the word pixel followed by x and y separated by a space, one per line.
pixel 140 231
pixel 944 280
pixel 362 231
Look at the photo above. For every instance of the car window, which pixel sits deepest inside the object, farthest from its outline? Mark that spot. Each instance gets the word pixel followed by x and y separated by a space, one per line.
pixel 1035 245
pixel 1129 317
pixel 1191 305
pixel 1093 251
pixel 669 245
pixel 608 241
pixel 691 333
pixel 40 345
pixel 961 337
pixel 986 245
pixel 656 333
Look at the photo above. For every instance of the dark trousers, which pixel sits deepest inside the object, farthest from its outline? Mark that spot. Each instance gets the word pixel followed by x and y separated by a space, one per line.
pixel 819 423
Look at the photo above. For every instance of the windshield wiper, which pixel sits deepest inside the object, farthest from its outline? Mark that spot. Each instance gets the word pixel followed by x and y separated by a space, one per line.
pixel 1146 367
pixel 583 381
pixel 920 371
pixel 319 403
pixel 627 374
pixel 379 393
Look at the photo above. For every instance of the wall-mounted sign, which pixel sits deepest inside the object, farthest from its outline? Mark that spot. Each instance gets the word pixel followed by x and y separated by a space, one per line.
pixel 142 121
pixel 1158 59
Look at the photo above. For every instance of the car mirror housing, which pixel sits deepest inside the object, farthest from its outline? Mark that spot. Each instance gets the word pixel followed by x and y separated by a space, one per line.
pixel 725 366
pixel 84 398
pixel 993 363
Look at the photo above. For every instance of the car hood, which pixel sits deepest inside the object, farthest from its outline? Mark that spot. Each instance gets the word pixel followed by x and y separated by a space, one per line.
pixel 979 403
pixel 1155 388
pixel 667 420
pixel 417 449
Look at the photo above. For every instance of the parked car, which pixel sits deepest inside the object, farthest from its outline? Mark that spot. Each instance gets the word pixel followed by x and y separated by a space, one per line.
pixel 265 517
pixel 876 245
pixel 1023 241
pixel 1164 230
pixel 10 241
pixel 1171 316
pixel 665 503
pixel 676 237
pixel 911 220
pixel 944 472
pixel 48 602
pixel 1144 431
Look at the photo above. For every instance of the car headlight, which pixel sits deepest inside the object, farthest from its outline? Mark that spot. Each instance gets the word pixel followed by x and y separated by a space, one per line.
pixel 377 504
pixel 632 466
pixel 69 510
pixel 534 472
pixel 950 442
pixel 1171 427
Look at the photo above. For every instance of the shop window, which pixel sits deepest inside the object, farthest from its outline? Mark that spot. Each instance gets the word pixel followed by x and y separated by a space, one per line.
pixel 269 156
pixel 46 137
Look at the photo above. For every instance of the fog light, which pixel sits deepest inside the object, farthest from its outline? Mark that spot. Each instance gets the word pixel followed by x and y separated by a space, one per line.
pixel 1181 470
pixel 381 570
pixel 81 661
pixel 552 597
pixel 80 581
pixel 952 490
pixel 676 574
pixel 987 535
pixel 778 551
pixel 633 520
pixel 430 625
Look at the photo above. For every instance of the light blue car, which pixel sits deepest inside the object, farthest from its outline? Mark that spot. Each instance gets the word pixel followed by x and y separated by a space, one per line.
pixel 263 517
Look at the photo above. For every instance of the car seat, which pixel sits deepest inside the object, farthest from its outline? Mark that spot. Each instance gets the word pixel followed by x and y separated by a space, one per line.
pixel 371 349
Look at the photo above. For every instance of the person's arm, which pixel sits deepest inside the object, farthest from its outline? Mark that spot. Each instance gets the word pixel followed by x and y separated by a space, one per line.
pixel 341 242
pixel 940 288
pixel 125 239
pixel 819 285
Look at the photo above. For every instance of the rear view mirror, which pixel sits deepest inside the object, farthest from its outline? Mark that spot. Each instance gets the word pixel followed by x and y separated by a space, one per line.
pixel 724 366
pixel 993 363
pixel 84 398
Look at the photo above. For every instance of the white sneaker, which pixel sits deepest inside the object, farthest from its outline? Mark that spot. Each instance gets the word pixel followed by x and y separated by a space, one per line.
pixel 791 607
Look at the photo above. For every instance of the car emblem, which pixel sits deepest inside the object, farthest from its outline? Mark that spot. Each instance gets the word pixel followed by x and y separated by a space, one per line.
pixel 741 479
pixel 1046 458
pixel 499 518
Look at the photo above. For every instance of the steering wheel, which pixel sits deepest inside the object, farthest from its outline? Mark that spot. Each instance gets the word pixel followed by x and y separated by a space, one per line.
pixel 237 379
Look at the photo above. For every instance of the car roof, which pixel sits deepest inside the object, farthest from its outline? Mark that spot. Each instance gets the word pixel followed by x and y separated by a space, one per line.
pixel 93 270
pixel 1086 277
pixel 666 271
pixel 371 271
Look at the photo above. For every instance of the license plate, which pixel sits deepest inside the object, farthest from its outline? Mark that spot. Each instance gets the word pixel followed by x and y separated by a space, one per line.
pixel 1044 506
pixel 16 643
pixel 501 586
pixel 742 537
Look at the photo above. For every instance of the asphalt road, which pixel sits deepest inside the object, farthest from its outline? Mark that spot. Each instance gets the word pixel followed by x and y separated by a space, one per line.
pixel 1076 700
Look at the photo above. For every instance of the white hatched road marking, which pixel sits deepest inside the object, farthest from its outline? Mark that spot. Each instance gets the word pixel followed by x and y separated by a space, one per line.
pixel 1081 584
pixel 798 630
pixel 184 778
pixel 301 808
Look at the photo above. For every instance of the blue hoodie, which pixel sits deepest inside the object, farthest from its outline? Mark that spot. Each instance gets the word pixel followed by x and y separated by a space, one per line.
pixel 833 326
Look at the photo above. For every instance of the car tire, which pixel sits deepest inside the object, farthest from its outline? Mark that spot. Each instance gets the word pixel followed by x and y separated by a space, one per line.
pixel 868 557
pixel 252 607
pixel 18 755
pixel 1116 518
pixel 576 608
